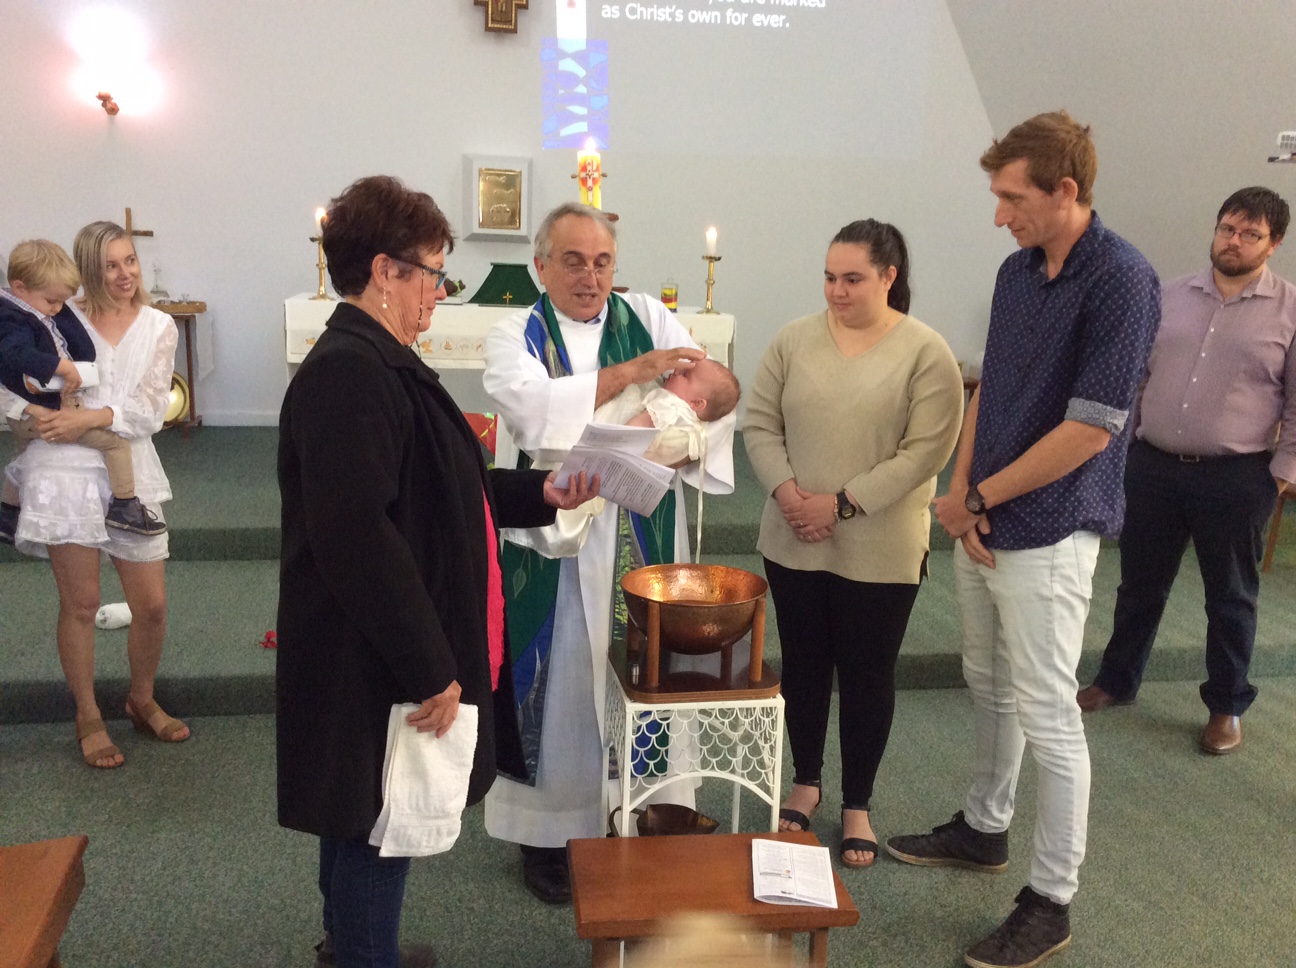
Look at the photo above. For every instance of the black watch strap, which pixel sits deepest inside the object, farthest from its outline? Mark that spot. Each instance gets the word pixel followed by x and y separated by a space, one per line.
pixel 845 509
pixel 974 502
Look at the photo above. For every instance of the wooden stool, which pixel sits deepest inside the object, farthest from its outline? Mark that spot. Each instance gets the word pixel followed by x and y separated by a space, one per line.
pixel 39 887
pixel 631 887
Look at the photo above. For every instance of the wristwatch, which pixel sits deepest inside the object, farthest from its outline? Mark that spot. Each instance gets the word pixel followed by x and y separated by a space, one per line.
pixel 844 507
pixel 974 502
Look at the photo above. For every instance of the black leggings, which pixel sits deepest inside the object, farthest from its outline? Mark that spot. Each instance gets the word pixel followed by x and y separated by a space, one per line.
pixel 827 622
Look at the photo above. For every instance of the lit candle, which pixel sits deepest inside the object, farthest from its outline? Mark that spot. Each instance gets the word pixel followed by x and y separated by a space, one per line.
pixel 711 240
pixel 320 215
pixel 589 171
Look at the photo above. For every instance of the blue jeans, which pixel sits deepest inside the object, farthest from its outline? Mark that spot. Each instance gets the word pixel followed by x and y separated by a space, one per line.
pixel 362 902
pixel 1222 505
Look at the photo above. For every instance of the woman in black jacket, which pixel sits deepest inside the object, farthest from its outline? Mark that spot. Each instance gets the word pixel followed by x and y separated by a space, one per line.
pixel 389 582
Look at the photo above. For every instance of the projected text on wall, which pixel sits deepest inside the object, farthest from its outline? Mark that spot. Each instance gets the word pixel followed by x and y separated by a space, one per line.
pixel 751 78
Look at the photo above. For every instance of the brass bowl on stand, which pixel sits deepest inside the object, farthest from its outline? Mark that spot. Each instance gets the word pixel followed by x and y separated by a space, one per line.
pixel 695 610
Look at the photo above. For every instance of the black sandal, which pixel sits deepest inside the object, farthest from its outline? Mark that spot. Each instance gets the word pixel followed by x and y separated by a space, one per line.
pixel 796 816
pixel 857 844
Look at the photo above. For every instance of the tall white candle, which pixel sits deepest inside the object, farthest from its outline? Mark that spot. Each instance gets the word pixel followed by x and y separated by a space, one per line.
pixel 319 221
pixel 711 240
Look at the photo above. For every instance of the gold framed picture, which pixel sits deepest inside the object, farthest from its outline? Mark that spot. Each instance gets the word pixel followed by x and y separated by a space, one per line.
pixel 499 198
pixel 497 202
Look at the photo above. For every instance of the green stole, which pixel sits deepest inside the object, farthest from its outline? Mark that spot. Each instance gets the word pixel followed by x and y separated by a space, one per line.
pixel 531 579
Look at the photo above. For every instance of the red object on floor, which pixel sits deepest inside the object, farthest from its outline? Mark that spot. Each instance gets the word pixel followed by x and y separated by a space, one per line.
pixel 270 642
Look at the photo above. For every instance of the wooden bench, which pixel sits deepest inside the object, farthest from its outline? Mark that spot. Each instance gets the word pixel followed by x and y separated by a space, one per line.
pixel 631 887
pixel 39 887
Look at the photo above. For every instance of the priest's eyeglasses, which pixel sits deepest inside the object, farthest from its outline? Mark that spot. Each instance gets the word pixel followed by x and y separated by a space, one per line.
pixel 437 276
pixel 578 270
pixel 1224 232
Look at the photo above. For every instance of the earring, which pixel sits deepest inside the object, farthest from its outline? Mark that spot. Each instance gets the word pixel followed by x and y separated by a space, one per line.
pixel 384 299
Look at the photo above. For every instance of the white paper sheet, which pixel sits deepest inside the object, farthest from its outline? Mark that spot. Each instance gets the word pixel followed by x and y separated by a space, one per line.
pixel 615 453
pixel 784 873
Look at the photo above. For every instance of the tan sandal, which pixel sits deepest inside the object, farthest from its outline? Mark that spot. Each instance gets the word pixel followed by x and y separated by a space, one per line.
pixel 140 720
pixel 89 728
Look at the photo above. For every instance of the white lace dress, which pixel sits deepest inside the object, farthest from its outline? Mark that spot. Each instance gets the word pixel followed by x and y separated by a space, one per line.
pixel 64 487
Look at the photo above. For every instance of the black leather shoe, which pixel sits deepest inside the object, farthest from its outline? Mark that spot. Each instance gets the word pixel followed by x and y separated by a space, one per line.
pixel 411 955
pixel 546 874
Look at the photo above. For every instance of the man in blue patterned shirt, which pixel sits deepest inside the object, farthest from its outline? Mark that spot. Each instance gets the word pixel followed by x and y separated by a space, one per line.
pixel 1036 483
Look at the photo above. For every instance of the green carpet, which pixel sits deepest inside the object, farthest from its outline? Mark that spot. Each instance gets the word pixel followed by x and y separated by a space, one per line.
pixel 220 611
pixel 223 588
pixel 1189 858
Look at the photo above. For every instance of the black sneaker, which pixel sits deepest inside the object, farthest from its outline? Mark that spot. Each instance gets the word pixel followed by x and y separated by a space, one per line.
pixel 8 522
pixel 1038 929
pixel 128 514
pixel 953 844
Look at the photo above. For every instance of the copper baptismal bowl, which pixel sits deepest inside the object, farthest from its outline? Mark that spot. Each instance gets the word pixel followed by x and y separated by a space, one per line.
pixel 704 608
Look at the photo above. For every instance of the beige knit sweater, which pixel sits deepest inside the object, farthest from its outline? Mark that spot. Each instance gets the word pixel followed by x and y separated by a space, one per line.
pixel 881 425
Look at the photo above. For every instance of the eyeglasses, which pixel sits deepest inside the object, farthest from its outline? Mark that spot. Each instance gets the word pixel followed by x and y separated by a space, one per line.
pixel 437 276
pixel 578 270
pixel 1224 232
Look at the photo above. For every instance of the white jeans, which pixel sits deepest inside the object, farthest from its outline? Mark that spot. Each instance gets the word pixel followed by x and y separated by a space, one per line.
pixel 1023 626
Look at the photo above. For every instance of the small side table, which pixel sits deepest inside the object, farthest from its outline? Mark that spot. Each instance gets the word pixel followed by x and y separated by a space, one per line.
pixel 39 886
pixel 734 735
pixel 186 316
pixel 630 887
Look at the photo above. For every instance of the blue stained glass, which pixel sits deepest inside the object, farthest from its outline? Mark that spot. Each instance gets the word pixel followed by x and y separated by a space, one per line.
pixel 574 94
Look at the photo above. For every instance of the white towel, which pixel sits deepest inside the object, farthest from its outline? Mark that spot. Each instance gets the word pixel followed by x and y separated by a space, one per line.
pixel 425 785
pixel 114 616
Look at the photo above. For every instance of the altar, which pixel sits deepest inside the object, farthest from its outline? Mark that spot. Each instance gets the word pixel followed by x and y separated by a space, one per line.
pixel 457 337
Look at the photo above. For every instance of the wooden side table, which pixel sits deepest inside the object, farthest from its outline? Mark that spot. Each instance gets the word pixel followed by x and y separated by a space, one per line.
pixel 631 887
pixel 39 887
pixel 186 316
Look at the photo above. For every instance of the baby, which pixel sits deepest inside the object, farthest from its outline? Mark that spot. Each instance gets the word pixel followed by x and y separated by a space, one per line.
pixel 678 408
pixel 706 391
pixel 41 338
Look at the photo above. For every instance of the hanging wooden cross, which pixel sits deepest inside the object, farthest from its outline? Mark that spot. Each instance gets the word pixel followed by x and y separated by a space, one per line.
pixel 501 15
pixel 131 231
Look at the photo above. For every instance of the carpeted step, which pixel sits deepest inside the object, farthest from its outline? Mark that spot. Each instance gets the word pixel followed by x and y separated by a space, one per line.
pixel 219 612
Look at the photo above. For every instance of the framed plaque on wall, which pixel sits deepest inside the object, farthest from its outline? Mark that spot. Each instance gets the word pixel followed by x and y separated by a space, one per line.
pixel 497 198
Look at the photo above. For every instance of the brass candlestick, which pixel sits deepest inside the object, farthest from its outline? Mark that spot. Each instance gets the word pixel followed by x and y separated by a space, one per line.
pixel 711 260
pixel 321 265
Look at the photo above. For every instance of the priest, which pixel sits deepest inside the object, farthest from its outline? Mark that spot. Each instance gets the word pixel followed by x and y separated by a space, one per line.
pixel 547 368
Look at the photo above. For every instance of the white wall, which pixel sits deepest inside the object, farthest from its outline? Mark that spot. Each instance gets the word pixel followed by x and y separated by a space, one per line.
pixel 1185 99
pixel 271 108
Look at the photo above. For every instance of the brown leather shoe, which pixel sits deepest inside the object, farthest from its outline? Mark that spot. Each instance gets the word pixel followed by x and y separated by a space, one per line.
pixel 1090 699
pixel 1223 734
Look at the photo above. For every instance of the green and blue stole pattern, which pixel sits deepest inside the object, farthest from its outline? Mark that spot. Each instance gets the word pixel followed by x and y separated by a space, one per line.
pixel 531 579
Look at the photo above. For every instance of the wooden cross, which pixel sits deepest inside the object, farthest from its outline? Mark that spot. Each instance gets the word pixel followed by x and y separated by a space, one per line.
pixel 501 15
pixel 134 231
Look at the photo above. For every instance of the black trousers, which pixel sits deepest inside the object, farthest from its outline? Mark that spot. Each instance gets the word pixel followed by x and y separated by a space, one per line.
pixel 1222 505
pixel 829 623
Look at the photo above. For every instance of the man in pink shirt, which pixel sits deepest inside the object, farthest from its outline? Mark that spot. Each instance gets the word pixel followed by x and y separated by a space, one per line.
pixel 1209 460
